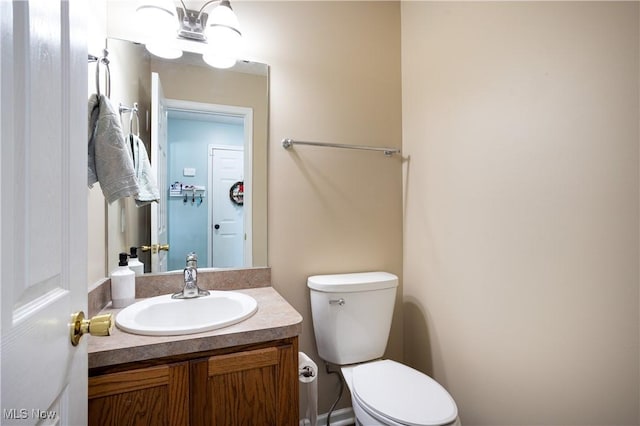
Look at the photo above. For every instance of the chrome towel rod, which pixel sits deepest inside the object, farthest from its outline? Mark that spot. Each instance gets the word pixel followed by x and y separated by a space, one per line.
pixel 288 143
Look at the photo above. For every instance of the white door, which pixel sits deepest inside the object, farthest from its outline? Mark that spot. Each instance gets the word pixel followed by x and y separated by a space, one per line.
pixel 159 234
pixel 43 215
pixel 227 217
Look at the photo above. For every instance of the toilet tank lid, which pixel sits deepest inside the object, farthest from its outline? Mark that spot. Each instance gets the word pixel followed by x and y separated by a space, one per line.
pixel 360 281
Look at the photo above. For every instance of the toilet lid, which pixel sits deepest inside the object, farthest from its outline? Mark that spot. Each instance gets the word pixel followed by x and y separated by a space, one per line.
pixel 402 394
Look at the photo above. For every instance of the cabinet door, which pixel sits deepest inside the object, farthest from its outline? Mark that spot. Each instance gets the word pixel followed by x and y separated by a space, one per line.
pixel 146 396
pixel 255 387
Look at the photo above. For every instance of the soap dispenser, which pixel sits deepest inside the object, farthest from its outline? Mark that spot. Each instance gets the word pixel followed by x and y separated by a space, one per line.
pixel 134 263
pixel 123 284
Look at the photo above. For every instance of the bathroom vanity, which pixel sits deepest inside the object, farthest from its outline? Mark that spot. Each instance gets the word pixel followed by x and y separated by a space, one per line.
pixel 246 373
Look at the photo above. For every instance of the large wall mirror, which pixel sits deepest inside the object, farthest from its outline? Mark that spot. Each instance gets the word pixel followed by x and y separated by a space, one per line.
pixel 207 130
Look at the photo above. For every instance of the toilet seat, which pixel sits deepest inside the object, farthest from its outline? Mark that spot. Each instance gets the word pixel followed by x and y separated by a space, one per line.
pixel 395 393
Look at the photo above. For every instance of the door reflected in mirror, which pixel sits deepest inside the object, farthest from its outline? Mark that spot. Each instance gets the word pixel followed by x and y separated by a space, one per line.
pixel 206 132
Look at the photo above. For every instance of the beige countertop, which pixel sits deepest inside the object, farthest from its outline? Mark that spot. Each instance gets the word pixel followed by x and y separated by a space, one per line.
pixel 275 319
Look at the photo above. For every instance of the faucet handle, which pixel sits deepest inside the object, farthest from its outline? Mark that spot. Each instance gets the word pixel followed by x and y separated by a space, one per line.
pixel 192 260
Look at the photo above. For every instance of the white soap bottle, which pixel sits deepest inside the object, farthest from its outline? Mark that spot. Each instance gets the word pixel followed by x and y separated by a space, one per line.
pixel 134 263
pixel 123 284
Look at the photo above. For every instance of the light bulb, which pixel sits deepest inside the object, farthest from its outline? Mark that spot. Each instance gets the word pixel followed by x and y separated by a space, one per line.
pixel 223 38
pixel 157 18
pixel 224 16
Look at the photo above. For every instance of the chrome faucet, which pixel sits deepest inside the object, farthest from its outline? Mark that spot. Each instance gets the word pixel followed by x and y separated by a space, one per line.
pixel 190 289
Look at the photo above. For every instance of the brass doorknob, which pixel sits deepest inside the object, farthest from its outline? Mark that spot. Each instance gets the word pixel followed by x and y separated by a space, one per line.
pixel 100 325
pixel 155 248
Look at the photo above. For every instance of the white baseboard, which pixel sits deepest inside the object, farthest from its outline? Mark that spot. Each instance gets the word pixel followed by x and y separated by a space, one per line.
pixel 342 417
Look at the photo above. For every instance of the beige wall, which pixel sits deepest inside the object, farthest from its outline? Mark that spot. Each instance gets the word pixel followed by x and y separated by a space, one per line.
pixel 335 77
pixel 521 208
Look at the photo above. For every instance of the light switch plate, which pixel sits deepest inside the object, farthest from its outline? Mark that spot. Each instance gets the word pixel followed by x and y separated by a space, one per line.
pixel 188 171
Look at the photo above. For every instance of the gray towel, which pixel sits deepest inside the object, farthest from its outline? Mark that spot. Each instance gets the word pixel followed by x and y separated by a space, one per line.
pixel 146 180
pixel 109 159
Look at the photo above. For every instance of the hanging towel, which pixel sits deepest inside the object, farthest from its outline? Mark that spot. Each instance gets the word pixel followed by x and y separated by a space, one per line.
pixel 109 159
pixel 146 181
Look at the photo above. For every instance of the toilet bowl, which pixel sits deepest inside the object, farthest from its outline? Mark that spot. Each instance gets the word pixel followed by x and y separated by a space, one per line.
pixel 386 392
pixel 351 320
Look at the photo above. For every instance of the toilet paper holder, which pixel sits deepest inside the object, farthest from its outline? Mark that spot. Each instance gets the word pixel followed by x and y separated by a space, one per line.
pixel 306 371
pixel 308 376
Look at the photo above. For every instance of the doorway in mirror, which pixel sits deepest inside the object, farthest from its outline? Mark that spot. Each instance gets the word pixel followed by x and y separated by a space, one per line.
pixel 209 171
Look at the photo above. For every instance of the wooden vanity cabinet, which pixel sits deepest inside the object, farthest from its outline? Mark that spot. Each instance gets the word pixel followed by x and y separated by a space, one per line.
pixel 157 395
pixel 253 385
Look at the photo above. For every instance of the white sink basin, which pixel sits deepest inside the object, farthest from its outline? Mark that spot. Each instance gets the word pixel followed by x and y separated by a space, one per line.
pixel 164 316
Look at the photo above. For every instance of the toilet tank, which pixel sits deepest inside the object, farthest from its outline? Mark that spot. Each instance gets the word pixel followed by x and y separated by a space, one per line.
pixel 352 315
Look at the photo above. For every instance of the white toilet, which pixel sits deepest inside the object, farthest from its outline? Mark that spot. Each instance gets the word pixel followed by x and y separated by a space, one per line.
pixel 351 320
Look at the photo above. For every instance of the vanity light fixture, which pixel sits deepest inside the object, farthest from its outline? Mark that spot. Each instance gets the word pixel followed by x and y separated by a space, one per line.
pixel 219 29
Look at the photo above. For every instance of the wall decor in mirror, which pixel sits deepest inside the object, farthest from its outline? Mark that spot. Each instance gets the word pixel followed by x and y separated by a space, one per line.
pixel 206 132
